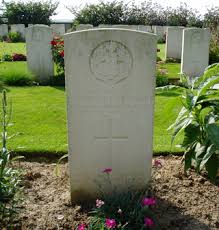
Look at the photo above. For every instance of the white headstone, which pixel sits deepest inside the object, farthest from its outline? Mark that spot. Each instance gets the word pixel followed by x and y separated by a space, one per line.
pixel 121 26
pixel 159 31
pixel 20 28
pixel 105 26
pixel 39 54
pixel 110 83
pixel 145 28
pixel 58 28
pixel 3 29
pixel 174 42
pixel 84 27
pixel 195 51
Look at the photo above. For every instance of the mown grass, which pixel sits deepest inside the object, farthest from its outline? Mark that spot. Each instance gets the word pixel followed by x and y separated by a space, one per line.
pixel 10 48
pixel 15 73
pixel 39 117
pixel 161 54
pixel 172 68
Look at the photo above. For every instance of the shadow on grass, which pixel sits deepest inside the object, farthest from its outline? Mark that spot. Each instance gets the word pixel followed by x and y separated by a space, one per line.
pixel 62 88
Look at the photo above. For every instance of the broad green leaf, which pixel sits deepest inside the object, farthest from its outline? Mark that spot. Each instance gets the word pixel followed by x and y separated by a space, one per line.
pixel 208 84
pixel 199 150
pixel 188 159
pixel 210 150
pixel 213 133
pixel 212 166
pixel 181 126
pixel 191 134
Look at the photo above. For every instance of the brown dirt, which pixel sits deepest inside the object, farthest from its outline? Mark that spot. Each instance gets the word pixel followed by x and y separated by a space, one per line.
pixel 184 202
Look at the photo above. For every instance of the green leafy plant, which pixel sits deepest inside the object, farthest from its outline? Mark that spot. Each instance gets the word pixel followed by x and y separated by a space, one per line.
pixel 121 210
pixel 162 78
pixel 7 57
pixel 214 48
pixel 9 177
pixel 58 54
pixel 199 119
pixel 15 37
pixel 17 78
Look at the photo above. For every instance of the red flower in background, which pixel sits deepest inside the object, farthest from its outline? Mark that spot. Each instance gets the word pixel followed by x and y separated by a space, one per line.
pixel 61 53
pixel 53 43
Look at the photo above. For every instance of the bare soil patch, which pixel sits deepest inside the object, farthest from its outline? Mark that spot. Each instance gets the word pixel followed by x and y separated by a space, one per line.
pixel 184 202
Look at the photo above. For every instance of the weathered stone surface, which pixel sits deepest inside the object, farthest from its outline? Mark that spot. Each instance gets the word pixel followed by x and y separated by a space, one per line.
pixel 174 42
pixel 159 31
pixel 84 27
pixel 39 54
pixel 195 51
pixel 110 83
pixel 145 28
pixel 58 28
pixel 3 29
pixel 20 28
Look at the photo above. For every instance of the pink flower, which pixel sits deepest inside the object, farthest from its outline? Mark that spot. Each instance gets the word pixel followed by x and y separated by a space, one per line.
pixel 148 201
pixel 99 203
pixel 148 222
pixel 81 227
pixel 158 163
pixel 107 170
pixel 110 223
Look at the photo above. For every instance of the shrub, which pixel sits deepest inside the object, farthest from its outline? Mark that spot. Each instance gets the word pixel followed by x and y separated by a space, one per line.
pixel 162 78
pixel 1 38
pixel 16 77
pixel 58 56
pixel 214 48
pixel 15 37
pixel 159 59
pixel 19 57
pixel 173 60
pixel 6 57
pixel 9 177
pixel 199 120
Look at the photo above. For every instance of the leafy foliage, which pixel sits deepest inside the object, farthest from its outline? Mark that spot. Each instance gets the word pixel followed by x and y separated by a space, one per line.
pixel 15 37
pixel 32 12
pixel 147 13
pixel 199 118
pixel 9 177
pixel 162 78
pixel 7 57
pixel 126 210
pixel 58 55
pixel 211 18
pixel 214 48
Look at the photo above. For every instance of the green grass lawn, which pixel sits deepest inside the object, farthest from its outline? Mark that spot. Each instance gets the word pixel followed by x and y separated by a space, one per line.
pixel 172 68
pixel 10 48
pixel 161 54
pixel 39 117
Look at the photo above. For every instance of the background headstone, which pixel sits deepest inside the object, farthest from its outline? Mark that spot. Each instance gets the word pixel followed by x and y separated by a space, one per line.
pixel 39 53
pixel 58 28
pixel 110 83
pixel 159 31
pixel 3 29
pixel 174 42
pixel 84 27
pixel 20 28
pixel 195 51
pixel 145 28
